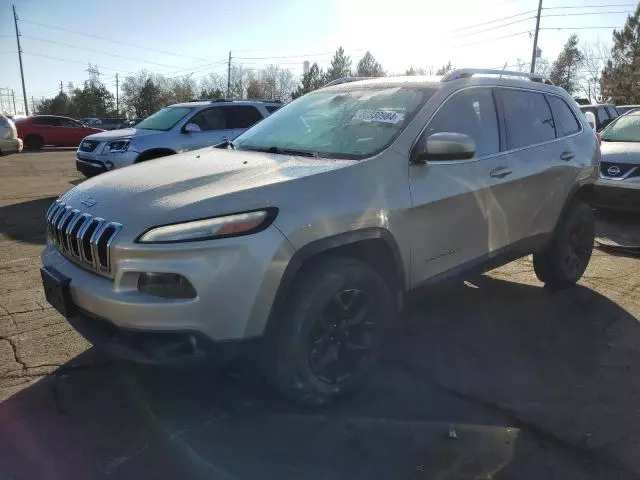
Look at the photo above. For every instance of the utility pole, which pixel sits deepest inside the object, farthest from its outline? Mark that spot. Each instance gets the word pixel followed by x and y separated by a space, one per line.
pixel 229 75
pixel 117 98
pixel 61 87
pixel 24 90
pixel 535 39
pixel 13 97
pixel 33 104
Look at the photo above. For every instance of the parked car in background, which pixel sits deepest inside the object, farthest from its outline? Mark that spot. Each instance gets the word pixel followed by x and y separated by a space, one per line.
pixel 106 123
pixel 9 141
pixel 174 129
pixel 619 185
pixel 605 114
pixel 622 109
pixel 40 130
pixel 306 236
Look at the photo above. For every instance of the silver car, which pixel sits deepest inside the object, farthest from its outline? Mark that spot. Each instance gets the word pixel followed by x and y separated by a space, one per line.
pixel 306 232
pixel 619 185
pixel 174 129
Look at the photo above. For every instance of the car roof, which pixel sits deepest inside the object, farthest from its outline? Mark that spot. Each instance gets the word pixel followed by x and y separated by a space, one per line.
pixel 597 105
pixel 224 101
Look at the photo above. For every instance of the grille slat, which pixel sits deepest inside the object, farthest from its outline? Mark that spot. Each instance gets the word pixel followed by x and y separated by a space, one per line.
pixel 81 237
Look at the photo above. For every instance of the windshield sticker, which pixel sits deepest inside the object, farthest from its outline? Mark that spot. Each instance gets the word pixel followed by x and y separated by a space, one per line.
pixel 378 116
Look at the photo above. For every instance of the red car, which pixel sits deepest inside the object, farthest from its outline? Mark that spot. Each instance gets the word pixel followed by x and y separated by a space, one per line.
pixel 40 130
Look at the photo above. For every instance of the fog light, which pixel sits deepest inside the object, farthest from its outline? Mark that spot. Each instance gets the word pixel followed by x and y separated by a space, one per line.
pixel 166 285
pixel 108 165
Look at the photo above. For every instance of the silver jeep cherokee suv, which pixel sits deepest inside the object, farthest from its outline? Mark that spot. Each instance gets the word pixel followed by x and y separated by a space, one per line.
pixel 307 230
pixel 174 129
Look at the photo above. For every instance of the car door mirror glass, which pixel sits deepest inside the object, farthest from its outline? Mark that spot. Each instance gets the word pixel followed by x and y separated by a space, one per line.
pixel 191 127
pixel 591 120
pixel 444 146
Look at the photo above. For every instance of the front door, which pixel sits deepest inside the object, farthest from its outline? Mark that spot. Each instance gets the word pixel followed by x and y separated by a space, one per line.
pixel 459 213
pixel 73 132
pixel 212 129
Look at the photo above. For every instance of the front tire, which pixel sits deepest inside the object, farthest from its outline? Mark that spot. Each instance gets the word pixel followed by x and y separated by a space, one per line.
pixel 328 337
pixel 33 142
pixel 563 262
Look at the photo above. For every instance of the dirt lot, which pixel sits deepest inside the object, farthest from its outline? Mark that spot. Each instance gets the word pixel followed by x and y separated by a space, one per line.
pixel 495 377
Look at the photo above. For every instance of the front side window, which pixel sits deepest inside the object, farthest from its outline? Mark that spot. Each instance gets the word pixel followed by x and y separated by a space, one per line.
pixel 624 129
pixel 473 113
pixel 210 119
pixel 67 122
pixel 164 119
pixel 352 123
pixel 527 117
pixel 566 121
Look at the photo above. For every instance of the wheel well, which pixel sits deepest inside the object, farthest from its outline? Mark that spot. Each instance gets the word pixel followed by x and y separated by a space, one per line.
pixel 586 194
pixel 375 252
pixel 33 135
pixel 155 153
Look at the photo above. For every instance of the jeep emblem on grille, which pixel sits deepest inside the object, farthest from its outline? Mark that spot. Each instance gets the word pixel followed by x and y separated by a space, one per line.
pixel 613 171
pixel 89 202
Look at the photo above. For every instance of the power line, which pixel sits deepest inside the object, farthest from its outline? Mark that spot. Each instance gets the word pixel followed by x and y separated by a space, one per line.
pixel 296 56
pixel 592 6
pixel 98 51
pixel 491 21
pixel 111 40
pixel 494 27
pixel 75 61
pixel 492 39
pixel 581 14
pixel 578 28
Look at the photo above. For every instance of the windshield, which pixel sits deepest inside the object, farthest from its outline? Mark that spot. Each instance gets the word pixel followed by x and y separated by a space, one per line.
pixel 164 119
pixel 340 124
pixel 624 129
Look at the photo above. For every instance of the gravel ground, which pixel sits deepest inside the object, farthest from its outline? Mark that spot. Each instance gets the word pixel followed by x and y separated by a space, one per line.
pixel 494 377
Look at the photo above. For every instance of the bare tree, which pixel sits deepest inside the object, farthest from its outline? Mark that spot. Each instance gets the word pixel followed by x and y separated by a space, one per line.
pixel 596 55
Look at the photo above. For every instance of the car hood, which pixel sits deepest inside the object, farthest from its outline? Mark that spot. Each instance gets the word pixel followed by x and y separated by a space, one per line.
pixel 124 133
pixel 198 184
pixel 620 152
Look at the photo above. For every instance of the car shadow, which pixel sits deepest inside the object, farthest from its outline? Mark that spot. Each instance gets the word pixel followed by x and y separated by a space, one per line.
pixel 51 149
pixel 487 379
pixel 25 221
pixel 618 233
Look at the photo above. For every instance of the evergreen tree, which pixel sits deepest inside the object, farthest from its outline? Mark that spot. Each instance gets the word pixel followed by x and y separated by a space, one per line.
pixel 312 80
pixel 340 66
pixel 368 67
pixel 564 71
pixel 619 77
pixel 444 69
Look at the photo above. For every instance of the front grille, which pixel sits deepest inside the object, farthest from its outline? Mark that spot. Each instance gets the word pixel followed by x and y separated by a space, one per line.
pixel 81 237
pixel 88 145
pixel 618 170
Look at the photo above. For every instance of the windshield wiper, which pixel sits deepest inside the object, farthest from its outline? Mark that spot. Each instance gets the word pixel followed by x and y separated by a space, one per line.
pixel 284 151
pixel 225 144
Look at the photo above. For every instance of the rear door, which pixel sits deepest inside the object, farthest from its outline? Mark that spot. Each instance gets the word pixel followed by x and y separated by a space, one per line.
pixel 461 209
pixel 46 128
pixel 541 156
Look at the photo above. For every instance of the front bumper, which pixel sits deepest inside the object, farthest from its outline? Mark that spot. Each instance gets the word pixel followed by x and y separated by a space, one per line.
pixel 235 279
pixel 90 168
pixel 107 161
pixel 623 195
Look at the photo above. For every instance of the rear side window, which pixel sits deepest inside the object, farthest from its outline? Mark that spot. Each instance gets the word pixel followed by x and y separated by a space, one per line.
pixel 210 119
pixel 527 117
pixel 566 122
pixel 49 121
pixel 271 108
pixel 473 113
pixel 242 116
pixel 602 115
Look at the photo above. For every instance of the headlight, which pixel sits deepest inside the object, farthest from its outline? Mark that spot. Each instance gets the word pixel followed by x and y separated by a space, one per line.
pixel 217 227
pixel 117 146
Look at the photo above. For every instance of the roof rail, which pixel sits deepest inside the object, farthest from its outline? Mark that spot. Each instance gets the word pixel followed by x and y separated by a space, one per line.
pixel 338 81
pixel 470 72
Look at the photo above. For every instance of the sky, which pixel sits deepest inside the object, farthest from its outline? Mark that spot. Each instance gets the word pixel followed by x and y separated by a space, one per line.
pixel 194 37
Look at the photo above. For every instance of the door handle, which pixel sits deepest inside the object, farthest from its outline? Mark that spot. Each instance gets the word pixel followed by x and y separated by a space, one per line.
pixel 500 172
pixel 566 156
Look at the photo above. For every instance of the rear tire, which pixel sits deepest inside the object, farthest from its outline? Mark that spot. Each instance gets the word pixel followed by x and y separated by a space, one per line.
pixel 564 260
pixel 328 337
pixel 33 142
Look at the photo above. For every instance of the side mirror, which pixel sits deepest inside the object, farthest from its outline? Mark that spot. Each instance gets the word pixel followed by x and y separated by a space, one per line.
pixel 191 127
pixel 591 120
pixel 131 123
pixel 444 146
